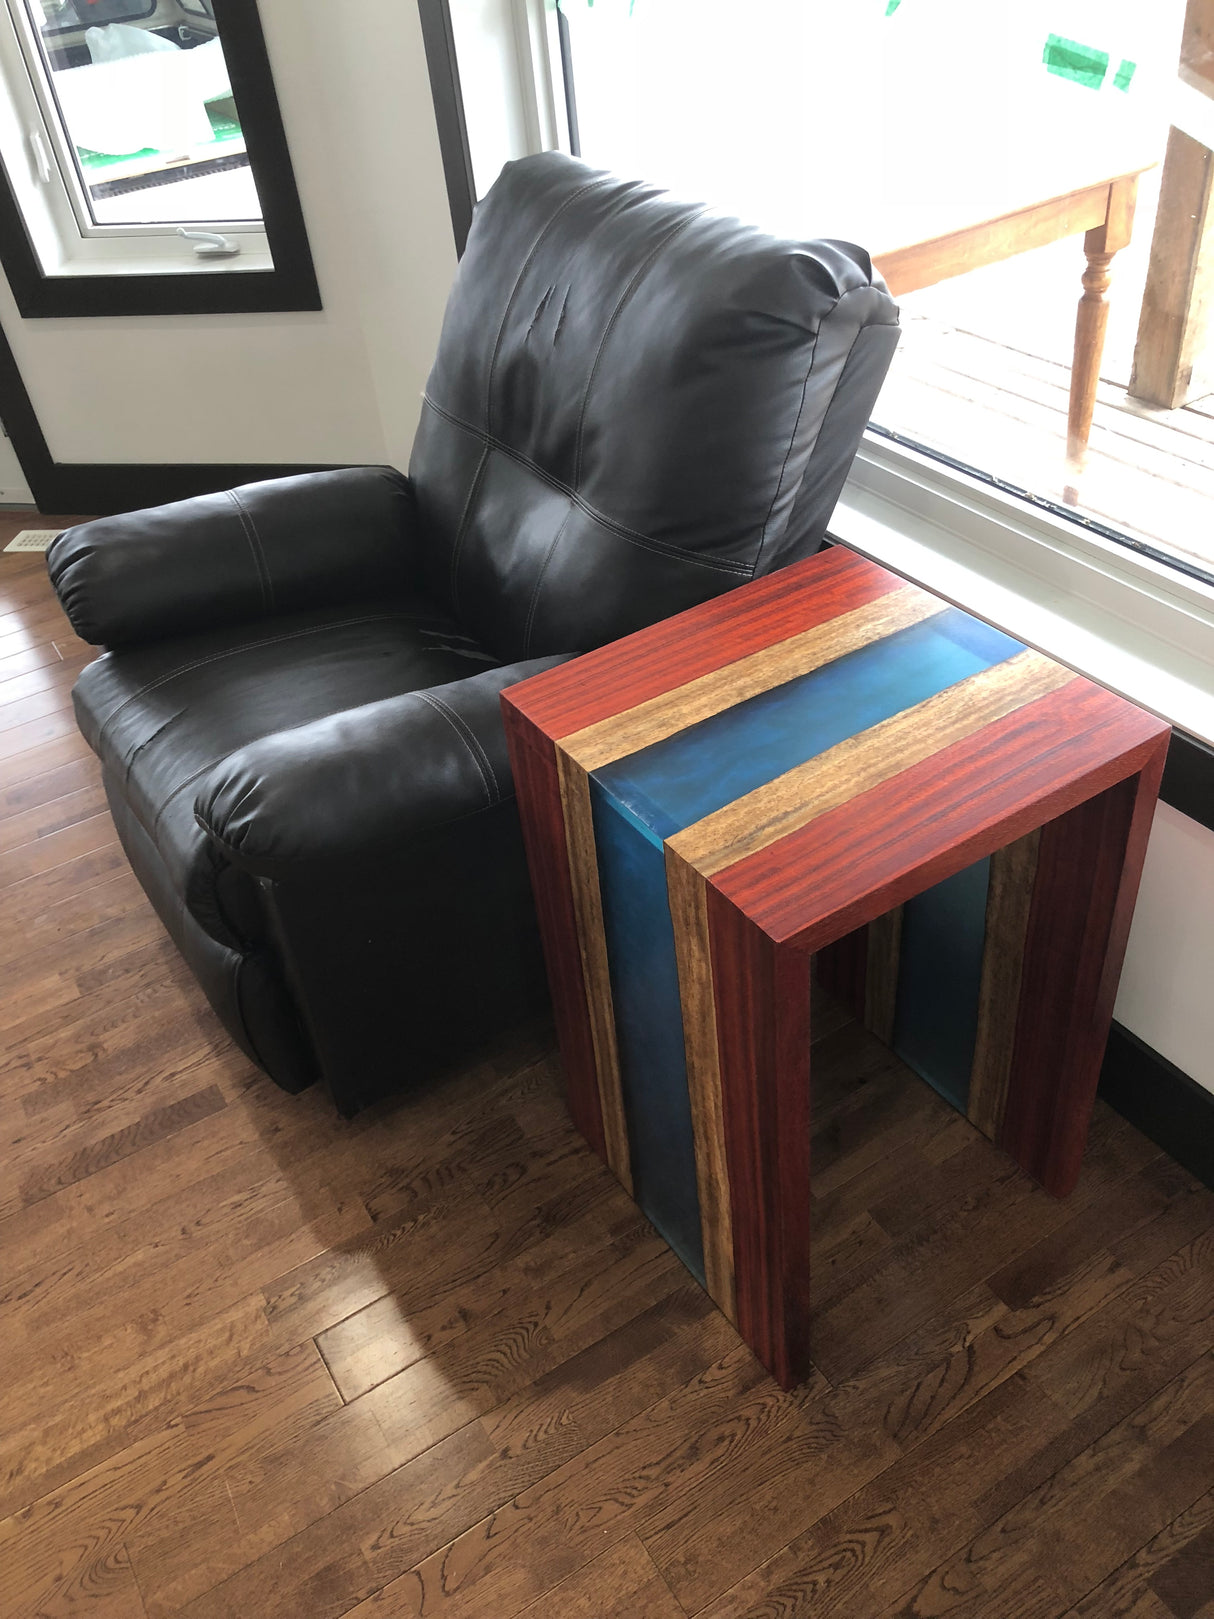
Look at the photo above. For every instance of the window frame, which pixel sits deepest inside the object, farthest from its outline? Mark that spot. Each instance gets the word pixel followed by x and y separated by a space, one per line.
pixel 148 286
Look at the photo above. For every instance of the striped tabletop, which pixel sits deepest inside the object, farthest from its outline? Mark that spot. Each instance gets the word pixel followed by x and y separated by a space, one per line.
pixel 829 753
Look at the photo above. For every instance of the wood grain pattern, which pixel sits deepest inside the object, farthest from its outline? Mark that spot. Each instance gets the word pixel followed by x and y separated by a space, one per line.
pixel 541 809
pixel 1088 870
pixel 596 972
pixel 642 666
pixel 763 1036
pixel 1170 364
pixel 674 710
pixel 689 913
pixel 843 774
pixel 924 264
pixel 941 815
pixel 1009 898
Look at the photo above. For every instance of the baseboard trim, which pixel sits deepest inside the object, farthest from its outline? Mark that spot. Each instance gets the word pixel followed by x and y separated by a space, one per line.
pixel 1156 1097
pixel 100 490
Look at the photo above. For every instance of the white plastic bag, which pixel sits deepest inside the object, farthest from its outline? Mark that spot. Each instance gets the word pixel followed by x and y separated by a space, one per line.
pixel 118 40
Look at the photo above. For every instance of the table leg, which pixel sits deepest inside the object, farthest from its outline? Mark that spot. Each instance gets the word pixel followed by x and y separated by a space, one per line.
pixel 1100 245
pixel 1089 863
pixel 761 993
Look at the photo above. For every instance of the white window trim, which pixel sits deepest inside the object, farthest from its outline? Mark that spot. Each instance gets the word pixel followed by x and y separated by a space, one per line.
pixel 1136 625
pixel 54 208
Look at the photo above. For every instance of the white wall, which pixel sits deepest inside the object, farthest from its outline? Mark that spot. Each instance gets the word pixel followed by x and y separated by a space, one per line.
pixel 1167 986
pixel 340 385
pixel 14 491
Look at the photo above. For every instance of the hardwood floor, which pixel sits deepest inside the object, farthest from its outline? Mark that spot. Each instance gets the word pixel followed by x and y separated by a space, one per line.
pixel 261 1363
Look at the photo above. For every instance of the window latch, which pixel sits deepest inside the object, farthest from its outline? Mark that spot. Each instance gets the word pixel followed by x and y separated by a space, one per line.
pixel 208 244
pixel 42 162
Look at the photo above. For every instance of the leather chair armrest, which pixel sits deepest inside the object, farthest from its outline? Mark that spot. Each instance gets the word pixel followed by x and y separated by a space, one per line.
pixel 267 548
pixel 357 785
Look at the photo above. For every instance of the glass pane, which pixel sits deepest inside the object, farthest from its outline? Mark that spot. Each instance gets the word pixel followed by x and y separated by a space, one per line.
pixel 143 94
pixel 896 123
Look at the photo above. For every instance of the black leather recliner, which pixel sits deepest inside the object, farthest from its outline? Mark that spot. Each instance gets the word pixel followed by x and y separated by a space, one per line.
pixel 636 405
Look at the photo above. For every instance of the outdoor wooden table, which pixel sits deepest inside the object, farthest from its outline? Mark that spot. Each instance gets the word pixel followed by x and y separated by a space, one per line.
pixel 828 754
pixel 1103 212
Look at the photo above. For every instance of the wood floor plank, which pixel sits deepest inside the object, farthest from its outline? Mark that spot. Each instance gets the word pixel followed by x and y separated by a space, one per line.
pixel 622 1583
pixel 960 1240
pixel 38 705
pixel 40 820
pixel 78 839
pixel 93 1417
pixel 1077 1522
pixel 380 1533
pixel 1179 1560
pixel 1165 1320
pixel 31 787
pixel 25 661
pixel 58 677
pixel 68 1537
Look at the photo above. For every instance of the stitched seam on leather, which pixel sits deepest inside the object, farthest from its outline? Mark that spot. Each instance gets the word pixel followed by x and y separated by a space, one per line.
pixel 545 231
pixel 796 426
pixel 465 518
pixel 479 757
pixel 539 580
pixel 245 646
pixel 254 539
pixel 642 269
pixel 659 547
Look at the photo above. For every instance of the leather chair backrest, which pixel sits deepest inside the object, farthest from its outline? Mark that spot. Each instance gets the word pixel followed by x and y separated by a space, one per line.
pixel 636 405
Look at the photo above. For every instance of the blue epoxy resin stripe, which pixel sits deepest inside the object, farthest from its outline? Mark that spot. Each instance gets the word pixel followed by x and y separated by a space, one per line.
pixel 649 1026
pixel 672 784
pixel 939 978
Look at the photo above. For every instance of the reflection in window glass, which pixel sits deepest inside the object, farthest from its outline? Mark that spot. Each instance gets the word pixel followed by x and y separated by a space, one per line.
pixel 142 91
pixel 894 123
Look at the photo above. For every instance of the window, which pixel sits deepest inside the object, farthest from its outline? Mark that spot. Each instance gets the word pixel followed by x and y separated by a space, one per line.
pixel 973 149
pixel 146 166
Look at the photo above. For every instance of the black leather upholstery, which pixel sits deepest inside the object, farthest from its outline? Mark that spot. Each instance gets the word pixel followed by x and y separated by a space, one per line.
pixel 636 405
pixel 629 398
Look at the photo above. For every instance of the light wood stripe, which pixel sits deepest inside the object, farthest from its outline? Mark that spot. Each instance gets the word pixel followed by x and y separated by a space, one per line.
pixel 881 974
pixel 1009 899
pixel 864 761
pixel 592 943
pixel 689 913
pixel 664 716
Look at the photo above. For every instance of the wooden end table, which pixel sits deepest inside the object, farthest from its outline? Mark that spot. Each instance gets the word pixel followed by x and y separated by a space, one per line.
pixel 827 760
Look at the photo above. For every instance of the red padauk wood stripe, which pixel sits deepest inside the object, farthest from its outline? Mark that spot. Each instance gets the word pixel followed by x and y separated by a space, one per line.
pixel 749 619
pixel 533 759
pixel 974 796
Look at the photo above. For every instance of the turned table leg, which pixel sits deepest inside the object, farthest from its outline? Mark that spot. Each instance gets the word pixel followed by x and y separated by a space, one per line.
pixel 1100 245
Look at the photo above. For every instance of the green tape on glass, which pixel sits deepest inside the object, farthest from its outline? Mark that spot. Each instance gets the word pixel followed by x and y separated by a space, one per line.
pixel 892 7
pixel 1124 74
pixel 1070 60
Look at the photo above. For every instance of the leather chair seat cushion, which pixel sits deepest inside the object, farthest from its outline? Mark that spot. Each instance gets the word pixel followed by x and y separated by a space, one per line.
pixel 161 715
